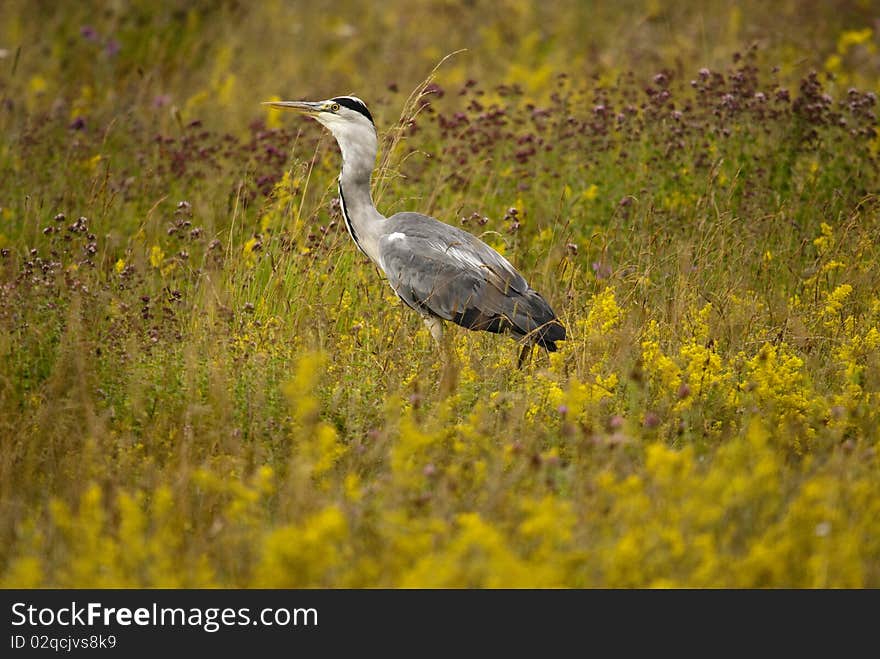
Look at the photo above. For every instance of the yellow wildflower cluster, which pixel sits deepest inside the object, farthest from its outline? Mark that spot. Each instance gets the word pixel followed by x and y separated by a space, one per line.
pixel 316 443
pixel 679 522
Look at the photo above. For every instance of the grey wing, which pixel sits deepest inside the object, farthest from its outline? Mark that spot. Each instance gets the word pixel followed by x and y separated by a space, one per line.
pixel 442 271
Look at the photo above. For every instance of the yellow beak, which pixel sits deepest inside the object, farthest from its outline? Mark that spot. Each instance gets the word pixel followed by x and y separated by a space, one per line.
pixel 303 107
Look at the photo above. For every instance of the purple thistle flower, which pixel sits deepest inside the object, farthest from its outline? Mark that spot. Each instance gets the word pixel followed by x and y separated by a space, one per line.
pixel 602 270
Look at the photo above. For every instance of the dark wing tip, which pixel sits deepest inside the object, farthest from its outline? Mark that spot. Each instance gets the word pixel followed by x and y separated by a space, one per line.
pixel 549 334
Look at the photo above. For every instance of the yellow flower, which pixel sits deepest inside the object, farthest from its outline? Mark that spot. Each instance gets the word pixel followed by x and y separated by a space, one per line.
pixel 834 302
pixel 37 84
pixel 850 38
pixel 604 313
pixel 832 63
pixel 156 256
pixel 307 554
pixel 824 241
pixel 249 252
pixel 273 115
pixel 590 193
pixel 93 162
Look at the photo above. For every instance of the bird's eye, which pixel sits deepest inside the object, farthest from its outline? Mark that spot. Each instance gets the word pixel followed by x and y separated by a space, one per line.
pixel 334 107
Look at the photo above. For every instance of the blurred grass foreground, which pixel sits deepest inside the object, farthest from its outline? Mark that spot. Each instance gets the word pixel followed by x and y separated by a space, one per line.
pixel 203 383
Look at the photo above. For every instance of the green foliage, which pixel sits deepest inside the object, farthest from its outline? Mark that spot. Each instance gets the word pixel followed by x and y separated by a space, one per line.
pixel 203 383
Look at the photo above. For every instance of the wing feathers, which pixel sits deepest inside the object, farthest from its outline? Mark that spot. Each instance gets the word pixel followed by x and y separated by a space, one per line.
pixel 445 272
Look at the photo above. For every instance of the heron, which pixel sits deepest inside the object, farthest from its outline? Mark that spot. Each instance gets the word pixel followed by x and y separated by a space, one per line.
pixel 441 271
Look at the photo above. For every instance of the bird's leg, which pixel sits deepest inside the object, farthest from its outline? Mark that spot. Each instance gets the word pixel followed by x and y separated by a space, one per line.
pixel 435 326
pixel 449 369
pixel 525 353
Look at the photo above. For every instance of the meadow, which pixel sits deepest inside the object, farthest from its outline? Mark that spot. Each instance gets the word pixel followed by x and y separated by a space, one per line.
pixel 204 383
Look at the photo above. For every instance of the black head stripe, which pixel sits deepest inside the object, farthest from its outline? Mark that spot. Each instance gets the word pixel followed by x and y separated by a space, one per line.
pixel 352 104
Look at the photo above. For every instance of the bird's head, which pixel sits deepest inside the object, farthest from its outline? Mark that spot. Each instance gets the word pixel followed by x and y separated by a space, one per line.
pixel 351 123
pixel 347 117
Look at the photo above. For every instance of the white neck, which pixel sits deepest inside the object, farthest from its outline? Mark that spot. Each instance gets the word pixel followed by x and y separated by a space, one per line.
pixel 359 146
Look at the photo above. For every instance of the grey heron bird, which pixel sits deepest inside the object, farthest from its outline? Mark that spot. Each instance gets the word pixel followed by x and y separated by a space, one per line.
pixel 440 271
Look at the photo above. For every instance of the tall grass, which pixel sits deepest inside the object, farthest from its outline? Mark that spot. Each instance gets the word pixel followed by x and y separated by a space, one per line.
pixel 203 383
